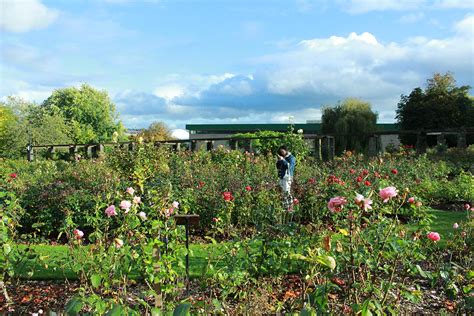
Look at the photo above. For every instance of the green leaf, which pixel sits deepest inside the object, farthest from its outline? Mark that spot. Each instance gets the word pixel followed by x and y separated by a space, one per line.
pixel 182 310
pixel 74 306
pixel 421 272
pixel 116 311
pixel 307 312
pixel 95 280
pixel 343 231
pixel 327 261
pixel 6 249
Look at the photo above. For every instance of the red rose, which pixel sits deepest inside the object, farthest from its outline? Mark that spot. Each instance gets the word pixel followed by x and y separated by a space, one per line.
pixel 394 171
pixel 248 188
pixel 365 172
pixel 296 201
pixel 312 180
pixel 227 196
pixel 359 179
pixel 352 171
pixel 13 175
pixel 367 183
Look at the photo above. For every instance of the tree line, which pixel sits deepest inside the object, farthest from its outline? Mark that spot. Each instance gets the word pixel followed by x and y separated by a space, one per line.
pixel 87 115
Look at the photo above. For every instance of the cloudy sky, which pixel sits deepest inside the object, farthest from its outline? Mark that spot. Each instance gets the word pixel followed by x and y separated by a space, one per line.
pixel 224 61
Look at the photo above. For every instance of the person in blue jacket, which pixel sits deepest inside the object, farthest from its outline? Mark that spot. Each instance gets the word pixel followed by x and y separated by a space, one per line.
pixel 286 169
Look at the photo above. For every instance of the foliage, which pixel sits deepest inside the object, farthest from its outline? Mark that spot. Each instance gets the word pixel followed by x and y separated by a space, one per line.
pixel 352 121
pixel 155 132
pixel 28 123
pixel 268 142
pixel 440 105
pixel 90 113
pixel 357 239
pixel 12 257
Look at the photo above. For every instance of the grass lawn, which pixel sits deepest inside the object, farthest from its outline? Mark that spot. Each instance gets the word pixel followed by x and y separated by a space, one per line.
pixel 57 256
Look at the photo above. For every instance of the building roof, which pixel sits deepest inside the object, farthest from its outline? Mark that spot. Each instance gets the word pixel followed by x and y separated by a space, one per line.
pixel 245 128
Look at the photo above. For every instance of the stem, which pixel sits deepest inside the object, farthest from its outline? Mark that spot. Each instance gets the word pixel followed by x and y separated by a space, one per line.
pixel 5 293
pixel 391 279
pixel 352 257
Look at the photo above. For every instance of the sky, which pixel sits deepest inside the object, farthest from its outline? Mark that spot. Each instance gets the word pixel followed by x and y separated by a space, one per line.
pixel 227 61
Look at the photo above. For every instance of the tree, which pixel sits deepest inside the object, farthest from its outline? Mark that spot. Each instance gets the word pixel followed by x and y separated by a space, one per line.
pixel 352 117
pixel 441 105
pixel 22 122
pixel 89 113
pixel 155 132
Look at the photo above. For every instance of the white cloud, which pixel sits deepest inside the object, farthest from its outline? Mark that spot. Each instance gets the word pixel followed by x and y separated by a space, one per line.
pixel 311 74
pixel 177 85
pixel 454 4
pixel 25 15
pixel 411 18
pixel 364 6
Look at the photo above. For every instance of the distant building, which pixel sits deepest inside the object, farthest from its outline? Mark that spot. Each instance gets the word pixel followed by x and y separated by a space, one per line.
pixel 205 131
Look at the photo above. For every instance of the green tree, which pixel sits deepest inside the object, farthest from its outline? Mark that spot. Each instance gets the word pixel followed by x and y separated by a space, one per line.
pixel 89 113
pixel 440 105
pixel 350 121
pixel 155 132
pixel 22 122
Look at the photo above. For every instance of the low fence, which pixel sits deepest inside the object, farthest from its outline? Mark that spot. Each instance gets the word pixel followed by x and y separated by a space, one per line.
pixel 322 146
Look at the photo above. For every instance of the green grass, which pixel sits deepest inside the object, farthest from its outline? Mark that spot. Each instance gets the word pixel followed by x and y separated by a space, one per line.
pixel 57 259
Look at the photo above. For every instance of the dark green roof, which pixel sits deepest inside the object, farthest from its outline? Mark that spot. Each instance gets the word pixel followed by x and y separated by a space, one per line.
pixel 242 128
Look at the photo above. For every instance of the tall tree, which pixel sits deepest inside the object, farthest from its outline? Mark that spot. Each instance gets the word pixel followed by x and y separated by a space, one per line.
pixel 89 112
pixel 442 104
pixel 350 121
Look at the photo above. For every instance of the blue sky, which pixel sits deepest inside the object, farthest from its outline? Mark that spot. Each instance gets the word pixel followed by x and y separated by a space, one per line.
pixel 233 61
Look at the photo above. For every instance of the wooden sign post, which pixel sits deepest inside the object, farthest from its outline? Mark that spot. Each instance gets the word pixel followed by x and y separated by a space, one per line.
pixel 187 220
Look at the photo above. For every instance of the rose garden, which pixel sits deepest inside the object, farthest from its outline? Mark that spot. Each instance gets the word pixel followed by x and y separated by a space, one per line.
pixel 390 234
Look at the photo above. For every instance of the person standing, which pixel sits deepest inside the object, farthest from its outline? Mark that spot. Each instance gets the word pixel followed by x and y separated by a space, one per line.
pixel 286 169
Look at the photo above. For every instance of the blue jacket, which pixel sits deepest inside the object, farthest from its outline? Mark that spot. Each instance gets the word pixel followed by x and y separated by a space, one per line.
pixel 286 165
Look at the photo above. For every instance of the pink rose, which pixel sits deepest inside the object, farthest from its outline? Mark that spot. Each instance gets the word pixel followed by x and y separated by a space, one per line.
pixel 296 201
pixel 367 204
pixel 130 191
pixel 137 199
pixel 169 212
pixel 175 204
pixel 359 198
pixel 142 215
pixel 411 200
pixel 125 205
pixel 78 233
pixel 388 193
pixel 118 243
pixel 455 225
pixel 110 211
pixel 434 236
pixel 336 204
pixel 467 207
